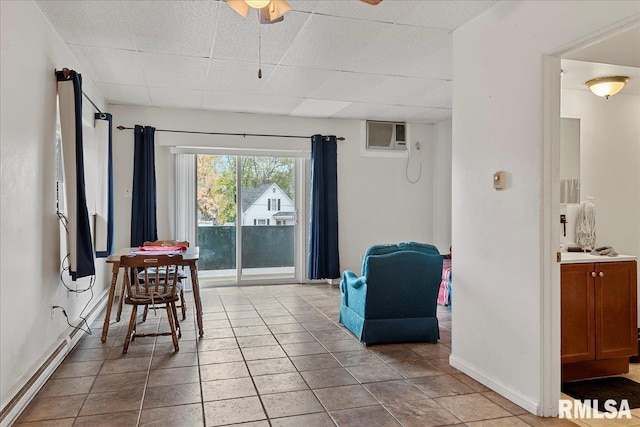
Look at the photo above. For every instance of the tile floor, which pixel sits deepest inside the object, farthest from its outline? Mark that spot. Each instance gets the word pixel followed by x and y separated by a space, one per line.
pixel 271 356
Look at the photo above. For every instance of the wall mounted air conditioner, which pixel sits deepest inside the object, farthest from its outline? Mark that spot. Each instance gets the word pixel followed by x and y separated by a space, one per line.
pixel 386 136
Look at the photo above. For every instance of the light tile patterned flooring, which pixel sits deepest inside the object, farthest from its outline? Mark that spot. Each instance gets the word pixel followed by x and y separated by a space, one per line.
pixel 271 356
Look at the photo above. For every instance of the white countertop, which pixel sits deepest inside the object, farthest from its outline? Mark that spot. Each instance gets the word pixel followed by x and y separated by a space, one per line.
pixel 585 257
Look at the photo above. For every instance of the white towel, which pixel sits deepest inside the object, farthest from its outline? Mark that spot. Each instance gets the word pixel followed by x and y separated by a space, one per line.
pixel 586 225
pixel 569 190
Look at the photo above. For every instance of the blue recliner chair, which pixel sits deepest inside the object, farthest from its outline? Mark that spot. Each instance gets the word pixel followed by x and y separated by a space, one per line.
pixel 394 300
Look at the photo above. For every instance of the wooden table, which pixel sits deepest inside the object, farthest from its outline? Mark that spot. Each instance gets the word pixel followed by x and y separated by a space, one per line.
pixel 189 259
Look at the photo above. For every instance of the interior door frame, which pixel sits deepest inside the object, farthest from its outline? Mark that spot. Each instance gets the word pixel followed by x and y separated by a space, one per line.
pixel 550 288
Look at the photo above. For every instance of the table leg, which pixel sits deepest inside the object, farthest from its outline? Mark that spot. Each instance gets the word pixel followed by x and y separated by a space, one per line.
pixel 112 292
pixel 196 296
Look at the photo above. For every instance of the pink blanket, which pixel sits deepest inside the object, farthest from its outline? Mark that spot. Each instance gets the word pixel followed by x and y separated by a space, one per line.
pixel 444 293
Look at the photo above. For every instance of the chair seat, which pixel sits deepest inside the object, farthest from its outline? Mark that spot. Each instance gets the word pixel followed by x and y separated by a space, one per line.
pixel 147 300
pixel 179 286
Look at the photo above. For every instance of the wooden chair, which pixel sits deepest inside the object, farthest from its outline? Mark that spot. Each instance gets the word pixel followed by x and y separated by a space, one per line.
pixel 182 276
pixel 158 287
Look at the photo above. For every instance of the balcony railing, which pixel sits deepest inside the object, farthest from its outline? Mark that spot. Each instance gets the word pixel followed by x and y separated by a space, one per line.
pixel 262 247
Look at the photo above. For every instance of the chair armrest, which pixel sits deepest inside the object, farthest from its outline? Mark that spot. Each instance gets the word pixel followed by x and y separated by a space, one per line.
pixel 353 292
pixel 350 279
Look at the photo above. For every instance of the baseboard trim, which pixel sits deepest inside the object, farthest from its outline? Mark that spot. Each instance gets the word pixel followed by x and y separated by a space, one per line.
pixel 41 373
pixel 495 384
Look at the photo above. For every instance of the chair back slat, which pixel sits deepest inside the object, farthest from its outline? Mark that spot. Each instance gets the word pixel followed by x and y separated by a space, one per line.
pixel 158 271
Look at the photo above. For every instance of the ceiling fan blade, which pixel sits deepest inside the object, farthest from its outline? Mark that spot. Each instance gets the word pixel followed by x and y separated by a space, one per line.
pixel 239 6
pixel 372 2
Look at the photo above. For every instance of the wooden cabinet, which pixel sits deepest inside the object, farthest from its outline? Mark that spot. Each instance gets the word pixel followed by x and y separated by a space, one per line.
pixel 598 318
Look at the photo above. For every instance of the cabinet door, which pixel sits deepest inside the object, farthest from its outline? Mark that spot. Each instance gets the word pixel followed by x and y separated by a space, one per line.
pixel 577 312
pixel 616 315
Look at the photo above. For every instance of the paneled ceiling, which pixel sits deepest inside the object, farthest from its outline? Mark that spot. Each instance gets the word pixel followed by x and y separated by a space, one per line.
pixel 340 59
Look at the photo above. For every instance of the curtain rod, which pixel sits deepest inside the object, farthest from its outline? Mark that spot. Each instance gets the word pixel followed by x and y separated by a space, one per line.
pixel 65 71
pixel 339 138
pixel 94 105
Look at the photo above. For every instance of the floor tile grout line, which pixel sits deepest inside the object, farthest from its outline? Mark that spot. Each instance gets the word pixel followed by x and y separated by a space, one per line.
pixel 287 308
pixel 146 380
pixel 198 340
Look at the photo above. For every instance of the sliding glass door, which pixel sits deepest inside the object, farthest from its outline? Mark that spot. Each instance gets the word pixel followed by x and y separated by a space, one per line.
pixel 247 222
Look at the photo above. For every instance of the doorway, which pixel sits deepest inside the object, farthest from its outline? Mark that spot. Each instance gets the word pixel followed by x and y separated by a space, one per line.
pixel 579 64
pixel 247 218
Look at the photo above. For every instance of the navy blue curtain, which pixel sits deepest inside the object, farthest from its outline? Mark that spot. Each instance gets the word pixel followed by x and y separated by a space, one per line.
pixel 81 256
pixel 110 216
pixel 324 260
pixel 143 205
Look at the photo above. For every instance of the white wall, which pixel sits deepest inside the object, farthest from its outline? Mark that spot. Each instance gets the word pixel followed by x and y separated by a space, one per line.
pixel 498 119
pixel 442 187
pixel 376 203
pixel 29 255
pixel 610 164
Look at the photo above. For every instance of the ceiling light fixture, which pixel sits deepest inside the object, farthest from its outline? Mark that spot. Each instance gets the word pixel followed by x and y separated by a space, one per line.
pixel 269 11
pixel 607 86
pixel 257 4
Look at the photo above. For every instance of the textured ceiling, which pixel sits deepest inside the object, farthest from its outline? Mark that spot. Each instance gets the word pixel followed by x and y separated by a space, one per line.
pixel 339 59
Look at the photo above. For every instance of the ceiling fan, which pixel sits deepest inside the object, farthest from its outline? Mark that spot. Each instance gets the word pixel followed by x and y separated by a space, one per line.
pixel 269 11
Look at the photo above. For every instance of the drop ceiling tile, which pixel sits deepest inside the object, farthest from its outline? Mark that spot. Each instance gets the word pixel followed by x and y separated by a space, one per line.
pixel 236 76
pixel 293 81
pixel 237 38
pixel 441 95
pixel 330 43
pixel 438 115
pixel 175 27
pixel 359 110
pixel 319 108
pixel 397 90
pixel 346 86
pixel 116 66
pixel 387 11
pixel 304 5
pixel 102 23
pixel 185 72
pixel 127 95
pixel 404 114
pixel 175 98
pixel 392 67
pixel 436 64
pixel 396 48
pixel 445 14
pixel 244 103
